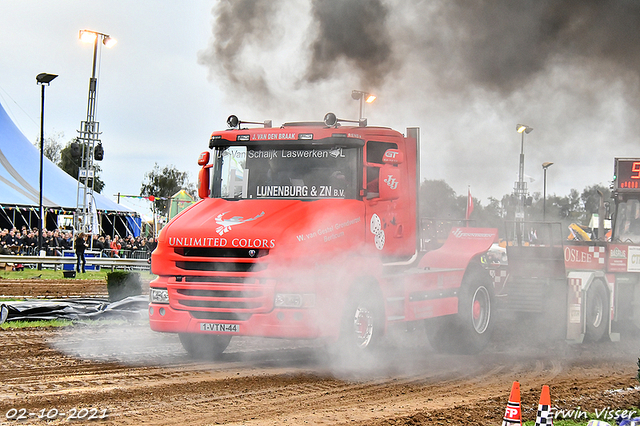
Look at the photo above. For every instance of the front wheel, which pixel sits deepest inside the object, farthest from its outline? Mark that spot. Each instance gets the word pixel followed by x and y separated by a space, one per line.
pixel 362 326
pixel 204 346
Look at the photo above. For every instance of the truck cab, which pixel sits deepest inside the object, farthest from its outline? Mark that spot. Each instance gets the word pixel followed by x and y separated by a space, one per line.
pixel 286 215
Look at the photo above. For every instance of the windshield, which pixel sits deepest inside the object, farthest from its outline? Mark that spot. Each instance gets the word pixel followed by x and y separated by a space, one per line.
pixel 628 221
pixel 241 172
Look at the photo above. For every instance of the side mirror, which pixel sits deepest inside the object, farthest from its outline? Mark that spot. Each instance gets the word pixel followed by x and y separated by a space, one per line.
pixel 203 159
pixel 203 182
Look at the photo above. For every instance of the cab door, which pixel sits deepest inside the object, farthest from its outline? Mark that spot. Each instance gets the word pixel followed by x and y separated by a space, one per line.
pixel 384 189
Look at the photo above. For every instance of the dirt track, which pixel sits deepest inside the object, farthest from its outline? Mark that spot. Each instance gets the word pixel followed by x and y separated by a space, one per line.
pixel 142 377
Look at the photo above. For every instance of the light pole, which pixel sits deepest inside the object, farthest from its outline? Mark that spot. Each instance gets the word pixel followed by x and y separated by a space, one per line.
pixel 362 97
pixel 545 166
pixel 89 134
pixel 521 186
pixel 43 79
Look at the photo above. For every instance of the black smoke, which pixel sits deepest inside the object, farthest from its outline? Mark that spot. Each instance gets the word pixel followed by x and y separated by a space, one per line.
pixel 503 44
pixel 499 45
pixel 353 31
pixel 239 24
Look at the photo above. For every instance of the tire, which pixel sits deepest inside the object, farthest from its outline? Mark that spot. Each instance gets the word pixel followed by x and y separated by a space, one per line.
pixel 597 312
pixel 441 333
pixel 362 326
pixel 470 330
pixel 204 346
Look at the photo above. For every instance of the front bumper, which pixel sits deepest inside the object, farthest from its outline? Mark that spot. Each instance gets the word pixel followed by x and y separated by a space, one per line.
pixel 283 323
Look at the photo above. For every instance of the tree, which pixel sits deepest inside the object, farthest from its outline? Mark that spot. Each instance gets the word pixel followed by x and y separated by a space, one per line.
pixel 591 199
pixel 71 165
pixel 62 158
pixel 52 147
pixel 439 201
pixel 162 184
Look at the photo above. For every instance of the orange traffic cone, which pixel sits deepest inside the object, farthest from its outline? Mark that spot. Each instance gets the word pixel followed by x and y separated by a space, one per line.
pixel 544 415
pixel 512 415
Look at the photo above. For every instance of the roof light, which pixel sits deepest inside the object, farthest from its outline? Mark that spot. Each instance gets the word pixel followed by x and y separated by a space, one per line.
pixel 339 135
pixel 243 138
pixel 233 121
pixel 330 119
pixel 305 136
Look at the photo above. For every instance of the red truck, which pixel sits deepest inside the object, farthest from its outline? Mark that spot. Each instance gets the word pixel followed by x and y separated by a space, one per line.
pixel 309 231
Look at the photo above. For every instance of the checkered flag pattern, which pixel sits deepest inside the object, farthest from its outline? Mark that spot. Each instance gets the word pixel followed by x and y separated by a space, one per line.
pixel 499 275
pixel 544 415
pixel 575 284
pixel 598 253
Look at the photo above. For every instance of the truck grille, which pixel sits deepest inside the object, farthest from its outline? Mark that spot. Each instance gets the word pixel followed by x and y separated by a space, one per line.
pixel 228 290
pixel 219 304
pixel 220 316
pixel 221 266
pixel 220 293
pixel 196 279
pixel 220 252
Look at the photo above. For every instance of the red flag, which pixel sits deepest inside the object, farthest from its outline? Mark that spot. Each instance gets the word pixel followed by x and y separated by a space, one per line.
pixel 469 203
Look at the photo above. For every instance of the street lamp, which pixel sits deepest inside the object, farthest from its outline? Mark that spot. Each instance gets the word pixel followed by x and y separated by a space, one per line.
pixel 362 97
pixel 521 186
pixel 43 79
pixel 89 132
pixel 545 166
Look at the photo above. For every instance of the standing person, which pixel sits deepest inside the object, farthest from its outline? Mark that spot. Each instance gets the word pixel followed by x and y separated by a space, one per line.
pixel 80 248
pixel 115 247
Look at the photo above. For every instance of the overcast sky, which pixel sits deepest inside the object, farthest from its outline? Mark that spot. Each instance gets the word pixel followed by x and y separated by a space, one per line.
pixel 465 72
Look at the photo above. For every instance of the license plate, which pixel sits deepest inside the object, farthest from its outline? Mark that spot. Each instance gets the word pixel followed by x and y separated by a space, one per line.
pixel 226 328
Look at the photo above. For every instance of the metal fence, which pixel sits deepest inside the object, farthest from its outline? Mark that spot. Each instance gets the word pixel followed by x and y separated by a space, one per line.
pixel 58 251
pixel 58 262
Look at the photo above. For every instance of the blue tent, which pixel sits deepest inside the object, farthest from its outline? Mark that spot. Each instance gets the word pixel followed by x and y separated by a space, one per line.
pixel 20 187
pixel 20 176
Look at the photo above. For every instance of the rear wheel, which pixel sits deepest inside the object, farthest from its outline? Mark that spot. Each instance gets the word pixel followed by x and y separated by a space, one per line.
pixel 597 312
pixel 204 346
pixel 470 330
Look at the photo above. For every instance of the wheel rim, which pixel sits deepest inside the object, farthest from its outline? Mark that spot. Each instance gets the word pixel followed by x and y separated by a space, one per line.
pixel 481 310
pixel 363 326
pixel 597 310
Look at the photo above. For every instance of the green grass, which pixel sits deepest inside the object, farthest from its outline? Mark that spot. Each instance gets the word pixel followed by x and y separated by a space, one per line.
pixel 41 323
pixel 50 274
pixel 60 323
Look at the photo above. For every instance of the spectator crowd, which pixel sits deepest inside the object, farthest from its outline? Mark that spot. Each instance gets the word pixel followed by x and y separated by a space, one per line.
pixel 25 242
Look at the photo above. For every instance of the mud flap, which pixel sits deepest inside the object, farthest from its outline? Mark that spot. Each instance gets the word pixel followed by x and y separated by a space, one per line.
pixel 575 315
pixel 578 284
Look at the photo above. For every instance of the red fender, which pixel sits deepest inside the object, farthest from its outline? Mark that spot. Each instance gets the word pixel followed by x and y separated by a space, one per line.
pixel 462 245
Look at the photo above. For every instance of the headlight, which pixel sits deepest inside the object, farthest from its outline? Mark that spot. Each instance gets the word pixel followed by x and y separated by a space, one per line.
pixel 293 300
pixel 158 295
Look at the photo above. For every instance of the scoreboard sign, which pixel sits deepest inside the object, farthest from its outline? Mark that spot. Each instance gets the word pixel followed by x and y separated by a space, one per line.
pixel 627 174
